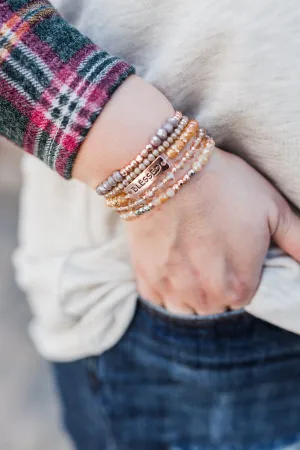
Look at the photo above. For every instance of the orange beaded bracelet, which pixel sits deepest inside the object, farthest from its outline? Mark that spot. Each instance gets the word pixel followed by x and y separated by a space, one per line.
pixel 144 180
pixel 125 204
pixel 197 166
pixel 121 178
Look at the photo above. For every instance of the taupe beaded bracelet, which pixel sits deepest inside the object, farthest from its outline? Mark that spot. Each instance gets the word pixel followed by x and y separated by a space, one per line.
pixel 151 174
pixel 170 176
pixel 197 166
pixel 168 150
pixel 121 178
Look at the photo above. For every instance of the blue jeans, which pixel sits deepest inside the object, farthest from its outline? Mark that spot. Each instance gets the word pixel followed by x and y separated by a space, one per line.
pixel 226 382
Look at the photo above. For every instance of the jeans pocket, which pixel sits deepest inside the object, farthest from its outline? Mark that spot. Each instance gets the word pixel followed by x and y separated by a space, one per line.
pixel 185 319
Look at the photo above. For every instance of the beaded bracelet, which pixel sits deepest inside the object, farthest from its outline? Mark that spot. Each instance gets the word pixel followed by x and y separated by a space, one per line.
pixel 197 166
pixel 123 199
pixel 170 176
pixel 158 166
pixel 122 203
pixel 150 158
pixel 120 175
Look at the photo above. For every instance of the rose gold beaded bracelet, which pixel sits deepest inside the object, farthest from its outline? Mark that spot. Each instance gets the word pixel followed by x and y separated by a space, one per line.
pixel 150 160
pixel 197 166
pixel 170 176
pixel 144 180
pixel 121 177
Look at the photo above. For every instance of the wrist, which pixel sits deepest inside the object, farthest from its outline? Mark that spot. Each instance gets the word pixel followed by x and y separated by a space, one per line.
pixel 124 127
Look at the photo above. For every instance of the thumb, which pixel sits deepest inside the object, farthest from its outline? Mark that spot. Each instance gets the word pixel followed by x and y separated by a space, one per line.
pixel 286 232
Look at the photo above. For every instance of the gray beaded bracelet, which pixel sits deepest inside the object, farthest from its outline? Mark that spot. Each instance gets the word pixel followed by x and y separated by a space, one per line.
pixel 121 178
pixel 150 158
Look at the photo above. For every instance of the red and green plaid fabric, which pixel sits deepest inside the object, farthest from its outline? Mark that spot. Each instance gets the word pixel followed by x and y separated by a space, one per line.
pixel 54 82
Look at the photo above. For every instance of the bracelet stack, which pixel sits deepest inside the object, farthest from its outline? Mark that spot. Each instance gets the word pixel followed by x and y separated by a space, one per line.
pixel 150 179
pixel 163 138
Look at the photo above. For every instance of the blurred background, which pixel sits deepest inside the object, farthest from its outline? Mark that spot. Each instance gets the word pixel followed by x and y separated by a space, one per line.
pixel 29 416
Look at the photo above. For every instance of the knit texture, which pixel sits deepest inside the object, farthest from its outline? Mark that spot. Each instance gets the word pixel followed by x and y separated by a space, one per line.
pixel 54 82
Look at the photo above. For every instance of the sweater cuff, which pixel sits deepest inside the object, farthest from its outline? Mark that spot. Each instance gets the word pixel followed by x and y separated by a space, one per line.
pixel 54 82
pixel 68 108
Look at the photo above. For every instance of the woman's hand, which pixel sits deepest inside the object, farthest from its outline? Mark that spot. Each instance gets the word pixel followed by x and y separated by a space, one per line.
pixel 203 251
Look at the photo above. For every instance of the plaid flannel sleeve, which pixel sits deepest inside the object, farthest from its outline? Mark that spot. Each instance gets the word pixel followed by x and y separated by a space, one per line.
pixel 54 82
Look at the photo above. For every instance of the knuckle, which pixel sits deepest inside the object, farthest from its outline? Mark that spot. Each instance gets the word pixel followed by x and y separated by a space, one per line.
pixel 208 302
pixel 202 303
pixel 208 296
pixel 285 220
pixel 242 291
pixel 197 297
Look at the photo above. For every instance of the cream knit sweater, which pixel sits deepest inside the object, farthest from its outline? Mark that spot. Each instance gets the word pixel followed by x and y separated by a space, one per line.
pixel 235 67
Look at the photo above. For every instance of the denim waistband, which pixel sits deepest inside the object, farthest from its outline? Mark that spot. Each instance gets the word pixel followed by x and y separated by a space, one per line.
pixel 192 321
pixel 234 337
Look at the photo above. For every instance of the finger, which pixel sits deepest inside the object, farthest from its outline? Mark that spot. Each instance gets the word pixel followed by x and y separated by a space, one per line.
pixel 178 295
pixel 151 294
pixel 184 292
pixel 287 231
pixel 171 301
pixel 209 276
pixel 242 285
pixel 213 311
pixel 181 309
pixel 210 285
pixel 194 300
